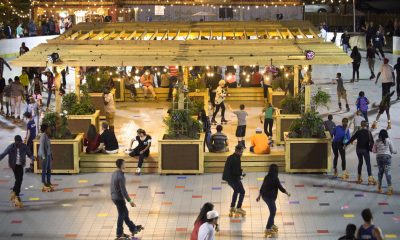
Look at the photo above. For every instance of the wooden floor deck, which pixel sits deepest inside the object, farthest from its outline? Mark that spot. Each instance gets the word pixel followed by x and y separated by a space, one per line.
pixel 213 162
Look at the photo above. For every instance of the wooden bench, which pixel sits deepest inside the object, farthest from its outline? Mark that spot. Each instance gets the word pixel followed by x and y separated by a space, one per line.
pixel 91 163
pixel 215 162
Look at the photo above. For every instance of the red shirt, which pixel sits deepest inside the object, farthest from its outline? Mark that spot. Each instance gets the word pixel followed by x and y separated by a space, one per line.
pixel 256 79
pixel 195 231
pixel 173 71
pixel 92 145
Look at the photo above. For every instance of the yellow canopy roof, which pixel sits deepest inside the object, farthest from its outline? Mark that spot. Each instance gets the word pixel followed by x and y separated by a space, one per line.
pixel 187 44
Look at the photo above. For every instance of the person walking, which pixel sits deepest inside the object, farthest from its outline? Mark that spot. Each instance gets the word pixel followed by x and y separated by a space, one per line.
pixel 341 136
pixel 384 106
pixel 17 93
pixel 388 78
pixel 267 119
pixel 378 42
pixel 220 95
pixel 269 192
pixel 356 56
pixel 208 229
pixel 362 104
pixel 341 91
pixel 345 41
pixel 241 127
pixel 365 142
pixel 201 218
pixel 17 153
pixel 384 149
pixel 371 51
pixel 368 230
pixel 50 86
pixel 109 107
pixel 118 196
pixel 206 123
pixel 142 150
pixel 397 69
pixel 232 174
pixel 30 136
pixel 329 125
pixel 7 98
pixel 45 155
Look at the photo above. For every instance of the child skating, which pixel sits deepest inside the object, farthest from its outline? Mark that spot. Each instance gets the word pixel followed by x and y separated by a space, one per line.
pixel 269 193
pixel 17 153
pixel 341 92
pixel 362 104
pixel 241 127
pixel 384 106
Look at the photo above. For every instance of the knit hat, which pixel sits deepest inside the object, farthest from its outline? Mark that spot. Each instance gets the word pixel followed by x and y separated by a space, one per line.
pixel 212 214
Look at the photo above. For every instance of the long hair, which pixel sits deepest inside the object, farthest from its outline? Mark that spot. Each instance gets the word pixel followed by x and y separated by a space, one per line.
pixel 92 132
pixel 273 170
pixel 355 50
pixel 203 212
pixel 383 134
pixel 203 115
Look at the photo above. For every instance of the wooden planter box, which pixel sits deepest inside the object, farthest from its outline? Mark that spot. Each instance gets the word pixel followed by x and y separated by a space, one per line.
pixel 201 96
pixel 282 123
pixel 181 156
pixel 81 123
pixel 66 155
pixel 275 97
pixel 308 155
pixel 97 100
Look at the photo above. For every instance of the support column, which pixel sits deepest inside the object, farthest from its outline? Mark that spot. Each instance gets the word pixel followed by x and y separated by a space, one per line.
pixel 77 82
pixel 296 78
pixel 57 84
pixel 307 98
pixel 136 14
pixel 186 75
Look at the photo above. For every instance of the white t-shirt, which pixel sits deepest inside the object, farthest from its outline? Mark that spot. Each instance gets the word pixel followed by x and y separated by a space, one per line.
pixel 206 232
pixel 386 73
pixel 220 95
pixel 110 107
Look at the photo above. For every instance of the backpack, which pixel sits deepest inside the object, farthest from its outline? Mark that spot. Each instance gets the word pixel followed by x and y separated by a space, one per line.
pixel 362 103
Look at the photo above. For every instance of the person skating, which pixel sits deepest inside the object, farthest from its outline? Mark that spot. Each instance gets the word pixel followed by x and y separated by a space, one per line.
pixel 202 218
pixel 329 124
pixel 30 136
pixel 142 150
pixel 341 135
pixel 269 192
pixel 356 56
pixel 241 127
pixel 232 174
pixel 368 230
pixel 357 119
pixel 220 95
pixel 371 51
pixel 118 196
pixel 384 149
pixel 17 153
pixel 341 91
pixel 384 106
pixel 207 230
pixel 267 119
pixel 109 107
pixel 45 155
pixel 362 104
pixel 388 78
pixel 365 141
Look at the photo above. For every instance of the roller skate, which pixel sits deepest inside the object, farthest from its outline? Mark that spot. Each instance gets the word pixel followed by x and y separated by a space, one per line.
pixel 374 124
pixel 345 175
pixel 232 211
pixel 389 126
pixel 123 237
pixel 224 121
pixel 213 122
pixel 275 228
pixel 379 189
pixel 48 188
pixel 389 191
pixel 335 173
pixel 371 180
pixel 240 212
pixel 269 233
pixel 18 203
pixel 12 196
pixel 360 180
pixel 139 228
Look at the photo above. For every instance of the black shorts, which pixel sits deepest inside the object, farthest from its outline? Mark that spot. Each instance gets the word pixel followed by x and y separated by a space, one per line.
pixel 241 131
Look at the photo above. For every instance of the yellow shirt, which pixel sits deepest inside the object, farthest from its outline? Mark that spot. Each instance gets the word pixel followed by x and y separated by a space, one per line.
pixel 260 143
pixel 24 79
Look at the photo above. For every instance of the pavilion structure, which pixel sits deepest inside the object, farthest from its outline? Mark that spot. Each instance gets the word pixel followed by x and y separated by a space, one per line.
pixel 188 44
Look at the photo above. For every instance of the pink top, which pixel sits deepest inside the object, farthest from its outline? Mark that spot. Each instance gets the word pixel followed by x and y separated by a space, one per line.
pixel 195 231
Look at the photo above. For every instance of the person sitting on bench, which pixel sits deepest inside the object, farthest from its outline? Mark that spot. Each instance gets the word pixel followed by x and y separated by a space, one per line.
pixel 259 143
pixel 108 141
pixel 143 148
pixel 219 141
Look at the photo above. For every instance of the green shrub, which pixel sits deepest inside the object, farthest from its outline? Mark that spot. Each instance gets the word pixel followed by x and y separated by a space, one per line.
pixel 181 125
pixel 310 125
pixel 71 106
pixel 321 99
pixel 292 105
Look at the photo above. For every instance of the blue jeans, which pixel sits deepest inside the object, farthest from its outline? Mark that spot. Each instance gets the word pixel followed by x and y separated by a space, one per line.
pixel 46 170
pixel 365 115
pixel 384 166
pixel 238 189
pixel 49 97
pixel 272 211
pixel 364 153
pixel 123 216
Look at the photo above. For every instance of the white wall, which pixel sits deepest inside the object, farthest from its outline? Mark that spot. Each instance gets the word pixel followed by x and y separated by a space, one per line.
pixel 9 48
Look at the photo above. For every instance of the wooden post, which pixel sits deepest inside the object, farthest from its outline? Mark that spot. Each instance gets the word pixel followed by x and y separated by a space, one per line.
pixel 77 82
pixel 185 75
pixel 57 84
pixel 307 98
pixel 296 80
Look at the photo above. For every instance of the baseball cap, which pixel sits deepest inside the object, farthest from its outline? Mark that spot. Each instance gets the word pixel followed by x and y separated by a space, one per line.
pixel 212 214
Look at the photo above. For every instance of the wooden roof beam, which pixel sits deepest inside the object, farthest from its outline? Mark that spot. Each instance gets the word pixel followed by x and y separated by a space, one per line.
pixel 290 33
pixel 313 33
pixel 279 34
pixel 97 36
pixel 142 35
pixel 301 33
pixel 74 35
pixel 86 35
pixel 131 36
pixel 211 33
pixel 187 36
pixel 176 36
pixel 118 37
pixel 109 35
pixel 165 36
pixel 154 35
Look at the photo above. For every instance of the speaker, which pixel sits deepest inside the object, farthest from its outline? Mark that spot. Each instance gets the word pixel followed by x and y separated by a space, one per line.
pixel 229 13
pixel 222 13
pixel 108 19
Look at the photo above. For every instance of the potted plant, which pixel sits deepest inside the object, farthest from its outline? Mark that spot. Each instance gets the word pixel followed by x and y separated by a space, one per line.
pixel 81 113
pixel 182 136
pixel 307 145
pixel 66 147
pixel 291 108
pixel 321 99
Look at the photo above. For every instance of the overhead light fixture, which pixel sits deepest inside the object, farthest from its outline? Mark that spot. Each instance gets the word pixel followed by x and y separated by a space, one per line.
pixel 309 54
pixel 53 58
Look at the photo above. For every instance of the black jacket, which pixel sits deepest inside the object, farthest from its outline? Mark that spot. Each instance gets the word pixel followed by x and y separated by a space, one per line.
pixel 270 186
pixel 11 151
pixel 232 169
pixel 364 138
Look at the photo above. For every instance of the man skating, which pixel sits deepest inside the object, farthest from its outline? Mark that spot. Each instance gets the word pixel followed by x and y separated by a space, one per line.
pixel 384 106
pixel 233 173
pixel 17 153
pixel 118 196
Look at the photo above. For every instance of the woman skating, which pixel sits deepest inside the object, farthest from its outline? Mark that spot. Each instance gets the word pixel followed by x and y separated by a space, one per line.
pixel 269 193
